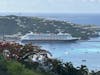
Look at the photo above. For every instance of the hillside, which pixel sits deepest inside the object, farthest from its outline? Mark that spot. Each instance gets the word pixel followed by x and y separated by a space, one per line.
pixel 14 24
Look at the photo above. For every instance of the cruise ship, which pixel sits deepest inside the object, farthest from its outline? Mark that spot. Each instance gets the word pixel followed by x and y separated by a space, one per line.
pixel 45 37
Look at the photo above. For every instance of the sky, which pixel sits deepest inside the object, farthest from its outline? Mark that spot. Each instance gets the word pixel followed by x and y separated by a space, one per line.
pixel 50 6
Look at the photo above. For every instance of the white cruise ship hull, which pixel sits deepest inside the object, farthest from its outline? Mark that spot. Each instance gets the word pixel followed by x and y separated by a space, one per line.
pixel 36 41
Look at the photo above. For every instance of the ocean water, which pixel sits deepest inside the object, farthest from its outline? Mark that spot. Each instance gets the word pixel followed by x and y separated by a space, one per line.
pixel 79 53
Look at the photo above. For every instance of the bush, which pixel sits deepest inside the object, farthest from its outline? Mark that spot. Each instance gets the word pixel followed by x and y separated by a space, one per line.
pixel 16 68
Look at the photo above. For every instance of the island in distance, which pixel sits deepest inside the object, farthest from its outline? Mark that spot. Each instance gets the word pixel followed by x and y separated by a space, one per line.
pixel 11 25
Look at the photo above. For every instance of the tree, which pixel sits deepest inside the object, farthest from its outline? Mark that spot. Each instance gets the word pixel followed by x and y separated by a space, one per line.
pixel 83 70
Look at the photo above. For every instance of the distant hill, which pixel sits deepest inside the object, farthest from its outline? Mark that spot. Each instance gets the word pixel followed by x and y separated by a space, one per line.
pixel 13 24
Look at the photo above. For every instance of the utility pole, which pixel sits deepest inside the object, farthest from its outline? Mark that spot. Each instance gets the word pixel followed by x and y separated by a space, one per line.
pixel 3 37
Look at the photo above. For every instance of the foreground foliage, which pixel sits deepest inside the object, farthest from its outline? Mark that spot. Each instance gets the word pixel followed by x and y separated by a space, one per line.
pixel 15 60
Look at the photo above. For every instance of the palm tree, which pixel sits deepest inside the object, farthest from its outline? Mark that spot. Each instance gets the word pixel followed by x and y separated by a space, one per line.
pixel 83 70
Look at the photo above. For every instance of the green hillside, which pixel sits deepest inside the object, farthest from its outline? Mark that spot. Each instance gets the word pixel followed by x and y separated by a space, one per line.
pixel 14 24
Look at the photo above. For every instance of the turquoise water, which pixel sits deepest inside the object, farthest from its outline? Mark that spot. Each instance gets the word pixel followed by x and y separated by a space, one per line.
pixel 76 52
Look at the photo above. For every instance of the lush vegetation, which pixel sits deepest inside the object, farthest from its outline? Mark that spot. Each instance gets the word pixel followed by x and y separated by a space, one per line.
pixel 14 24
pixel 15 68
pixel 16 59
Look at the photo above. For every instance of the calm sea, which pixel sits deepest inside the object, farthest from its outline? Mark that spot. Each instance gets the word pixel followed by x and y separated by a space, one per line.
pixel 80 52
